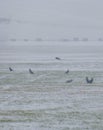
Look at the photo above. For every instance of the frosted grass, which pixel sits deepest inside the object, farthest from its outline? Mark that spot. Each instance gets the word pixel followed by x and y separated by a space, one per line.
pixel 43 100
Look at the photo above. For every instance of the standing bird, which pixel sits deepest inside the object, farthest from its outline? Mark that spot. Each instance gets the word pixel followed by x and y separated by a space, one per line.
pixel 30 71
pixel 69 81
pixel 89 80
pixel 67 71
pixel 10 69
pixel 57 58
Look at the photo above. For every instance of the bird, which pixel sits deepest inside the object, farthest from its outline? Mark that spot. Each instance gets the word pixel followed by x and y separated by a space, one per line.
pixel 30 71
pixel 57 58
pixel 89 80
pixel 10 69
pixel 67 71
pixel 69 81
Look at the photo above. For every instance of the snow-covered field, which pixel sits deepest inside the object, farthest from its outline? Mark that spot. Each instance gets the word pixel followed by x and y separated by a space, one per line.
pixel 43 100
pixel 32 34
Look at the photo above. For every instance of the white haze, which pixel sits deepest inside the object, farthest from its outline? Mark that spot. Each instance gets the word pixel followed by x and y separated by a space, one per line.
pixel 32 34
pixel 52 18
pixel 49 20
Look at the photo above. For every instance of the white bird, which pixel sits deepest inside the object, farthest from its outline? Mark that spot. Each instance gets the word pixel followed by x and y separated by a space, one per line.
pixel 67 71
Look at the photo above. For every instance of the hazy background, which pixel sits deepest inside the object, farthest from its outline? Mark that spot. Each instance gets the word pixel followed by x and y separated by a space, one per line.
pixel 32 34
pixel 50 20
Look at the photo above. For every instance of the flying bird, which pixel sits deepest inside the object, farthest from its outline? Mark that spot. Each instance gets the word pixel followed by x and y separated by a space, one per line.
pixel 89 80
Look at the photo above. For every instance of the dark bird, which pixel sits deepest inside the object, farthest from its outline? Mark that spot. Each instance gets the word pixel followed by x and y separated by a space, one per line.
pixel 67 71
pixel 10 69
pixel 89 80
pixel 69 81
pixel 30 71
pixel 57 58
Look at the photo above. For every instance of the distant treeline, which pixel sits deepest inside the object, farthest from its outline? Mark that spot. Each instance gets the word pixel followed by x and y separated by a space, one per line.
pixel 4 20
pixel 76 39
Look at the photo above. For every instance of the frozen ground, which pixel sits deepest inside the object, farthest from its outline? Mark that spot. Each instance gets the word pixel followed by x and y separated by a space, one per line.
pixel 32 34
pixel 44 101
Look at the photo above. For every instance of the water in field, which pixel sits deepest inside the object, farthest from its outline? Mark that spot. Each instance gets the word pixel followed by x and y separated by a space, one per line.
pixel 44 100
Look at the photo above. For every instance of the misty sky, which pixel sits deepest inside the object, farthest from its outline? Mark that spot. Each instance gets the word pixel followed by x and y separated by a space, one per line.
pixel 52 18
pixel 49 19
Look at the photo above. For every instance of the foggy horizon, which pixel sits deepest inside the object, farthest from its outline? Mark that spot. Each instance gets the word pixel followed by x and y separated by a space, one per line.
pixel 51 64
pixel 51 19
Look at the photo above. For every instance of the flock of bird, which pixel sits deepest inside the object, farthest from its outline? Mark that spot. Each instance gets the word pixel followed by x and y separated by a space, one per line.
pixel 89 81
pixel 69 81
